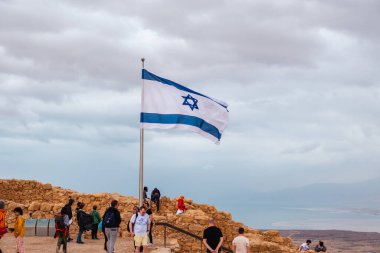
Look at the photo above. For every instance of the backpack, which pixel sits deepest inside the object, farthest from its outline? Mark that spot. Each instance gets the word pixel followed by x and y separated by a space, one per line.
pixel 137 214
pixel 110 220
pixel 60 224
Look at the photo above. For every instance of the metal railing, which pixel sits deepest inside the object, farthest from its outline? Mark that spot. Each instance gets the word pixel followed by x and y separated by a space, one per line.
pixel 180 230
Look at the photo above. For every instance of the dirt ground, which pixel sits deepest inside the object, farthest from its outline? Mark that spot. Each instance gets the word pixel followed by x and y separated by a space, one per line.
pixel 48 245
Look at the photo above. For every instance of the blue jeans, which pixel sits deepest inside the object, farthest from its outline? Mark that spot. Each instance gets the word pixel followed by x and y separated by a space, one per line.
pixel 79 238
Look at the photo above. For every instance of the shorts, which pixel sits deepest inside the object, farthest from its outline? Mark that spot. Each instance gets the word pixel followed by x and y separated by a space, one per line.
pixel 141 240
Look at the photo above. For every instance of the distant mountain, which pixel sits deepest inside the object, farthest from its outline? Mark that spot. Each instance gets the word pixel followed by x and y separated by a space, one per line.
pixel 364 194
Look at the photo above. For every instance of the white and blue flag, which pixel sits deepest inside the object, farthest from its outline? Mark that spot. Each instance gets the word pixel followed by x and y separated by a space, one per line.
pixel 166 105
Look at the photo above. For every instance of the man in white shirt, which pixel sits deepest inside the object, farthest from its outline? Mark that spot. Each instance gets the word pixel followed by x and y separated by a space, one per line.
pixel 241 243
pixel 305 246
pixel 139 228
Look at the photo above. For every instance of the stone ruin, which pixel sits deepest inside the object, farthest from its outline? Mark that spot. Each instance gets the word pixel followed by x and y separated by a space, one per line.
pixel 44 201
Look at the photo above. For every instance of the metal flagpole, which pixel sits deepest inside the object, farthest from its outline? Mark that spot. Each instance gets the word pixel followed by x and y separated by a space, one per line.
pixel 141 176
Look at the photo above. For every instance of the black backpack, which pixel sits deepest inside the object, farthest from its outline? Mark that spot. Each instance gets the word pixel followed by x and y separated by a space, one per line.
pixel 110 220
pixel 133 225
pixel 60 222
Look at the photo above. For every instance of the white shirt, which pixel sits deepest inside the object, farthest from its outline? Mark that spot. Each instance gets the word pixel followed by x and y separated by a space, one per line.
pixel 241 243
pixel 141 224
pixel 304 246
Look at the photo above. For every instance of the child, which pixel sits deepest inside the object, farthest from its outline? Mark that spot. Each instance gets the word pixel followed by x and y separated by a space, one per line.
pixel 62 224
pixel 19 230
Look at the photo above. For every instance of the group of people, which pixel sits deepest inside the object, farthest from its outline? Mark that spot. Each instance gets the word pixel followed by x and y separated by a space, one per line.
pixel 320 247
pixel 140 226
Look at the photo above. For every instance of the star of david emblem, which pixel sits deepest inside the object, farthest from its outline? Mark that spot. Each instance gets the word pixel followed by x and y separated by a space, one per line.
pixel 191 102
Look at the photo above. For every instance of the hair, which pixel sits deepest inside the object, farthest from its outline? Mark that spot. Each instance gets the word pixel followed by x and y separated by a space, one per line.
pixel 71 201
pixel 147 203
pixel 18 210
pixel 81 205
pixel 321 243
pixel 241 230
pixel 136 207
pixel 308 241
pixel 114 203
pixel 142 207
pixel 63 211
pixel 95 207
pixel 2 204
pixel 145 188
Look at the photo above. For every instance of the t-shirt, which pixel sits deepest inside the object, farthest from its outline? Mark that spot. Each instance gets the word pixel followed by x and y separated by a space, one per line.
pixel 241 243
pixel 212 236
pixel 140 226
pixel 304 246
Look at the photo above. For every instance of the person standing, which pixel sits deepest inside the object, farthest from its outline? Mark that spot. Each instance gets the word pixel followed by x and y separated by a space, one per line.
pixel 19 230
pixel 67 209
pixel 3 229
pixel 155 197
pixel 145 193
pixel 61 230
pixel 111 221
pixel 240 243
pixel 139 227
pixel 320 247
pixel 212 237
pixel 181 205
pixel 305 246
pixel 97 219
pixel 84 221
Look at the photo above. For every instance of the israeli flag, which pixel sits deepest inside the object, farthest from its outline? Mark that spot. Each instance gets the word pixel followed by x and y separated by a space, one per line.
pixel 166 105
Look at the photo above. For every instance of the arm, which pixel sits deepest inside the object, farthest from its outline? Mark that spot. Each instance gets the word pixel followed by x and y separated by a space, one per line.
pixel 207 246
pixel 220 244
pixel 234 249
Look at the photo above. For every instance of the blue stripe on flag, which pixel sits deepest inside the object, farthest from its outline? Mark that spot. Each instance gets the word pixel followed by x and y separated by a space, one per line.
pixel 180 119
pixel 150 76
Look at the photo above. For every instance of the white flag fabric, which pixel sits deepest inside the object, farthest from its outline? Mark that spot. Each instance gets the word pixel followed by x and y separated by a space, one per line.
pixel 166 104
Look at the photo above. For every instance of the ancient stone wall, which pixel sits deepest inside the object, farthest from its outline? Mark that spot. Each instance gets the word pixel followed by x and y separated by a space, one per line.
pixel 44 201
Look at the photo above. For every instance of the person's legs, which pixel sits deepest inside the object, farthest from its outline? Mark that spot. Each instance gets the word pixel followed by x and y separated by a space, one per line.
pixel 137 242
pixel 96 231
pixel 79 238
pixel 150 233
pixel 64 242
pixel 93 232
pixel 20 244
pixel 111 239
pixel 68 234
pixel 105 240
pixel 144 243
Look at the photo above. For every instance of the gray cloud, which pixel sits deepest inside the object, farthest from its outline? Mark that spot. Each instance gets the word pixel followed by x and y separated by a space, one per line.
pixel 301 79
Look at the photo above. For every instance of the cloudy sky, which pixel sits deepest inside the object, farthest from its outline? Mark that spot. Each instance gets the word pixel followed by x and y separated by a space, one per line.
pixel 301 78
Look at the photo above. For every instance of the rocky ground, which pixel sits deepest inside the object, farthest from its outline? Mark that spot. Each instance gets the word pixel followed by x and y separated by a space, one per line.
pixel 338 241
pixel 48 244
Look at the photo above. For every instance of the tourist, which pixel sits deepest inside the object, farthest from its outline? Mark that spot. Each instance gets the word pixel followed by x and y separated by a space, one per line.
pixel 240 243
pixel 320 247
pixel 19 231
pixel 145 193
pixel 3 229
pixel 181 205
pixel 61 229
pixel 212 237
pixel 305 246
pixel 111 222
pixel 139 226
pixel 150 213
pixel 130 227
pixel 155 197
pixel 84 221
pixel 67 209
pixel 97 219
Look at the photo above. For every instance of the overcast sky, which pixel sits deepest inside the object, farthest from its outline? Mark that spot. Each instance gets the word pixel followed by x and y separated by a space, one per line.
pixel 301 79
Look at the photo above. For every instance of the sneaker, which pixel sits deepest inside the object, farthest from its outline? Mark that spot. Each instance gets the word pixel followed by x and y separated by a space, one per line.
pixel 80 242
